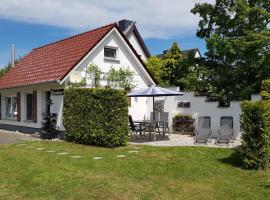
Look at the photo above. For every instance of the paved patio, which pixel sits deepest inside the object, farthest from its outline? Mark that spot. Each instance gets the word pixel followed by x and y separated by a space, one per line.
pixel 9 137
pixel 178 140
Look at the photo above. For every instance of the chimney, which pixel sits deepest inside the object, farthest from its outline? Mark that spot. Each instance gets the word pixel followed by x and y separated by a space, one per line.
pixel 12 55
pixel 124 24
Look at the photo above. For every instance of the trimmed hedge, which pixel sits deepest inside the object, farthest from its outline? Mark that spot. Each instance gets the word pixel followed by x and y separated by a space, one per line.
pixel 96 116
pixel 255 123
pixel 265 93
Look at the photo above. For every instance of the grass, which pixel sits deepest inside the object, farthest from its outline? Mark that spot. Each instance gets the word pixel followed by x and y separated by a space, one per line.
pixel 152 173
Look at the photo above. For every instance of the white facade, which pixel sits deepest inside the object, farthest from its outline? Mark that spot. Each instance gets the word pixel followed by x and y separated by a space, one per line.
pixel 41 104
pixel 136 45
pixel 140 107
pixel 125 58
pixel 199 107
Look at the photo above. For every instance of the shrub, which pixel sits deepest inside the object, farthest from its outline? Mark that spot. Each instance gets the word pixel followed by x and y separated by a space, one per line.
pixel 120 79
pixel 255 123
pixel 96 116
pixel 265 93
pixel 49 125
pixel 180 116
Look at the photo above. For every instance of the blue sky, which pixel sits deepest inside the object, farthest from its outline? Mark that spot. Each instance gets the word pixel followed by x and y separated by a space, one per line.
pixel 32 23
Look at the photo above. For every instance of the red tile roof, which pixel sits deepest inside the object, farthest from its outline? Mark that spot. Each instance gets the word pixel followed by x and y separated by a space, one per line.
pixel 54 61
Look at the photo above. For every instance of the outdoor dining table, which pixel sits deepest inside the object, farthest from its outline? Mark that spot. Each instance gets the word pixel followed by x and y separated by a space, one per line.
pixel 145 123
pixel 154 91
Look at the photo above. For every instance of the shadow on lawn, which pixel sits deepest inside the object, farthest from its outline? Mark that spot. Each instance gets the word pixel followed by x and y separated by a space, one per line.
pixel 234 159
pixel 264 185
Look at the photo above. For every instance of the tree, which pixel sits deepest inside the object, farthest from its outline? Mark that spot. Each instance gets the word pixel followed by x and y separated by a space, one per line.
pixel 93 72
pixel 238 46
pixel 120 79
pixel 190 76
pixel 176 69
pixel 154 64
pixel 171 62
pixel 6 68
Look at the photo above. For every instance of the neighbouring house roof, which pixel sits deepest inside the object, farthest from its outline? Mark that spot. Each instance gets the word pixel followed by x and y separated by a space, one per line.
pixel 187 52
pixel 52 62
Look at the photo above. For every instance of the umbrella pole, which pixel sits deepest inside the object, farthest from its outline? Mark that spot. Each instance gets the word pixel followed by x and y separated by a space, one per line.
pixel 154 118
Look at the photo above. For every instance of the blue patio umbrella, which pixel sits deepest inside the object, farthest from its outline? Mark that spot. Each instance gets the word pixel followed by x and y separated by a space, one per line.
pixel 154 91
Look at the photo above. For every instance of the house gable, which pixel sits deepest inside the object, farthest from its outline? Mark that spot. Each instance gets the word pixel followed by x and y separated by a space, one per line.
pixel 50 63
pixel 127 57
pixel 130 30
pixel 135 43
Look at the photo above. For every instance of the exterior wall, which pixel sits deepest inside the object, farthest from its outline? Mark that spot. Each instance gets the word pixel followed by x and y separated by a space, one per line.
pixel 41 106
pixel 125 59
pixel 57 107
pixel 136 45
pixel 199 107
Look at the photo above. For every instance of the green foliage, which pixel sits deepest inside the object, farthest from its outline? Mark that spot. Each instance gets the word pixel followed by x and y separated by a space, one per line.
pixel 120 79
pixel 6 68
pixel 117 79
pixel 255 123
pixel 176 69
pixel 180 116
pixel 93 72
pixel 77 84
pixel 96 116
pixel 49 125
pixel 171 62
pixel 265 93
pixel 238 46
pixel 154 64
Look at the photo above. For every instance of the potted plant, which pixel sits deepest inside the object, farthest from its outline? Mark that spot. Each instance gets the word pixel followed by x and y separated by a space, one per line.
pixel 183 123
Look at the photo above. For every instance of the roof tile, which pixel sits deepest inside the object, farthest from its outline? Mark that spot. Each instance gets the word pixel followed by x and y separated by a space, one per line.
pixel 53 61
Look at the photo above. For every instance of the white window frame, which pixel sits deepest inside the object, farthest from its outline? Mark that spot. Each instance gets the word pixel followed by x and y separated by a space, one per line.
pixel 116 53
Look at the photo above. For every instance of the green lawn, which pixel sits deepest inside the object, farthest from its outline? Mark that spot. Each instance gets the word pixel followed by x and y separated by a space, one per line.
pixel 152 173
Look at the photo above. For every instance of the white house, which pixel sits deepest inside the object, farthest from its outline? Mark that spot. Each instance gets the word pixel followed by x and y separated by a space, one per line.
pixel 35 85
pixel 26 90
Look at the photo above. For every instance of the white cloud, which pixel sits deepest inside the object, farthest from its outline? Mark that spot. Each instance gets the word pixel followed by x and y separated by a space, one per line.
pixel 155 18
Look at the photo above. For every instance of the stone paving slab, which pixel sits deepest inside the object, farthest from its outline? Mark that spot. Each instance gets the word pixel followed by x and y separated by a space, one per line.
pixel 180 140
pixel 10 137
pixel 63 153
pixel 97 158
pixel 76 157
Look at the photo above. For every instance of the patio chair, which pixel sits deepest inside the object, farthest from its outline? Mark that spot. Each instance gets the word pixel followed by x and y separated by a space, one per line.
pixel 153 124
pixel 134 127
pixel 225 133
pixel 164 122
pixel 203 131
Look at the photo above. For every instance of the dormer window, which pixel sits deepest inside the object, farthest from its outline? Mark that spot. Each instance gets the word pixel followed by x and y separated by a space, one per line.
pixel 110 53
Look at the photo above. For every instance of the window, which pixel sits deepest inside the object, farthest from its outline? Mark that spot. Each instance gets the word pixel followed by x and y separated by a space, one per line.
pixel 110 52
pixel 29 107
pixel 11 107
